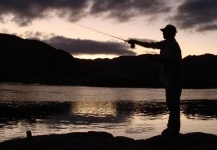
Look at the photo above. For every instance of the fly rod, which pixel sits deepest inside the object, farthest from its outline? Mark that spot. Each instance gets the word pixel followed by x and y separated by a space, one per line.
pixel 131 45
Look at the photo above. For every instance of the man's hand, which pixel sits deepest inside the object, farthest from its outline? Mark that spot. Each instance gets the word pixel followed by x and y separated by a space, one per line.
pixel 144 44
pixel 131 41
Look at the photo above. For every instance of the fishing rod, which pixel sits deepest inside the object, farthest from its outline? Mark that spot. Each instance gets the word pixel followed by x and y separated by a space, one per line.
pixel 131 45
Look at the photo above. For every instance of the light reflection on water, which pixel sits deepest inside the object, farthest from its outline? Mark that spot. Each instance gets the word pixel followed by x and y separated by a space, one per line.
pixel 137 113
pixel 94 109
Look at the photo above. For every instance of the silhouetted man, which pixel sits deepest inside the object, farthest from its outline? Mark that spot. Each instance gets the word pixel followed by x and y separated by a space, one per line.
pixel 171 74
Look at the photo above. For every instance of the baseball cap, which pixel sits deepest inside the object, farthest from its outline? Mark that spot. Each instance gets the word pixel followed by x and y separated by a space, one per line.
pixel 169 28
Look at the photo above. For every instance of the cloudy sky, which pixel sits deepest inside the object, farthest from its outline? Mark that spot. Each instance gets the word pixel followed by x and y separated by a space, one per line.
pixel 66 24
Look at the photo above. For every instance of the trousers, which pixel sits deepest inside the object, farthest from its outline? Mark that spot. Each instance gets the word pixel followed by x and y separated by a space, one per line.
pixel 173 94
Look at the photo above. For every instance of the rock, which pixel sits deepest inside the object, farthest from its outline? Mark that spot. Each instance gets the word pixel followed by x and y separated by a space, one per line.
pixel 29 135
pixel 191 141
pixel 106 141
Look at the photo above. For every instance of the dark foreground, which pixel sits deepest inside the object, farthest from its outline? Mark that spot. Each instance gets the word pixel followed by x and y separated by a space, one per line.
pixel 106 141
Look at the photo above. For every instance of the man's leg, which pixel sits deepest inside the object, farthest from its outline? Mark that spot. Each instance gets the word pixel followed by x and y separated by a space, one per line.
pixel 173 94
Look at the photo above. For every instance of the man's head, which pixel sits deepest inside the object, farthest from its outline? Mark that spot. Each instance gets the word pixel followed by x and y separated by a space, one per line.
pixel 169 31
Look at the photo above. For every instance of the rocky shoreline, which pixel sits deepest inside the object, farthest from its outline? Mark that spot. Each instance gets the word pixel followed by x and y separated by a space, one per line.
pixel 105 141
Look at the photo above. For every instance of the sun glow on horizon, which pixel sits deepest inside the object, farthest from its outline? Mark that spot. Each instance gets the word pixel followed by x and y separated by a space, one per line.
pixel 96 56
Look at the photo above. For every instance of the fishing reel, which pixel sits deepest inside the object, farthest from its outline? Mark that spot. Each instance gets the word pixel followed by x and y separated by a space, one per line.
pixel 132 45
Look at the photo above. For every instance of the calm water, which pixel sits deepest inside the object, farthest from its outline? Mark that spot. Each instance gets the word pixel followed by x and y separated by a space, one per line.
pixel 138 113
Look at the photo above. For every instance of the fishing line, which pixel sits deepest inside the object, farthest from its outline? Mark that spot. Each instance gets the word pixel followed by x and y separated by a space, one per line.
pixel 91 29
pixel 101 32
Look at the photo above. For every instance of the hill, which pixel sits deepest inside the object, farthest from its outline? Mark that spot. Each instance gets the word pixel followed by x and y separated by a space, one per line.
pixel 32 61
pixel 200 71
pixel 23 60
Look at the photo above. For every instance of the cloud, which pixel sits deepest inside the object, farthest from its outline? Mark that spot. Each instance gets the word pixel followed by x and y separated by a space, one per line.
pixel 36 35
pixel 23 12
pixel 123 10
pixel 77 46
pixel 200 15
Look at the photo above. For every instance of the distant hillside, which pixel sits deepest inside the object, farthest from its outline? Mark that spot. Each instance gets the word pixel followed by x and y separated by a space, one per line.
pixel 124 71
pixel 32 61
pixel 200 71
pixel 24 60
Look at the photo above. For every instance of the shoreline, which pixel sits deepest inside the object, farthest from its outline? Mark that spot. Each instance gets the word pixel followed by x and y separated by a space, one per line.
pixel 105 141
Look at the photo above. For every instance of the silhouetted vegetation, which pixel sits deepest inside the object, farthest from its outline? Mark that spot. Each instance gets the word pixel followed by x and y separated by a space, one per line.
pixel 32 61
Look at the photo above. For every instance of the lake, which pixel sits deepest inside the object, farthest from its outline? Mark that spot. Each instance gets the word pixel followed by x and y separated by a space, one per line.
pixel 139 113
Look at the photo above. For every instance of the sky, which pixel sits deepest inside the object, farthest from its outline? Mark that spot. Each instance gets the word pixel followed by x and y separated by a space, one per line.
pixel 68 24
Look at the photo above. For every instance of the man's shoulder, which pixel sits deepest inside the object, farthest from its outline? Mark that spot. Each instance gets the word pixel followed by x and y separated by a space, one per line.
pixel 172 43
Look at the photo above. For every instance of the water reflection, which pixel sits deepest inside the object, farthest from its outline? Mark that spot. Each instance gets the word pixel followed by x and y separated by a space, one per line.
pixel 203 109
pixel 152 109
pixel 99 111
pixel 94 109
pixel 131 117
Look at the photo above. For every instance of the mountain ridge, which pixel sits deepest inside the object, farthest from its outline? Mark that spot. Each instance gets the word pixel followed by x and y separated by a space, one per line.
pixel 33 61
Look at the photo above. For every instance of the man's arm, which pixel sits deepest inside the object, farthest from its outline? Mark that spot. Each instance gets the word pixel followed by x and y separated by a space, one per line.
pixel 154 45
pixel 144 44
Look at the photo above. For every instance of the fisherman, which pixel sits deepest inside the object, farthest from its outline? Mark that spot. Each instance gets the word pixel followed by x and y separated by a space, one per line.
pixel 170 73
